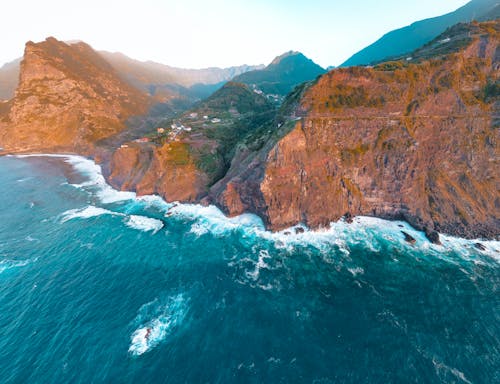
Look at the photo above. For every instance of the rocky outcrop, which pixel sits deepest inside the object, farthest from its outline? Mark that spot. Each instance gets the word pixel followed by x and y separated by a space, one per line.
pixel 168 170
pixel 68 99
pixel 417 142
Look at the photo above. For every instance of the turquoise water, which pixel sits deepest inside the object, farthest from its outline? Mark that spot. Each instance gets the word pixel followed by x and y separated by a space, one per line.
pixel 99 286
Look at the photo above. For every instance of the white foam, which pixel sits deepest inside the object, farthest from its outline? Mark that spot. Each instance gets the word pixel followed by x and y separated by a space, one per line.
pixel 143 223
pixel 261 264
pixel 211 219
pixel 356 271
pixel 93 171
pixel 7 264
pixel 157 320
pixel 85 213
pixel 369 232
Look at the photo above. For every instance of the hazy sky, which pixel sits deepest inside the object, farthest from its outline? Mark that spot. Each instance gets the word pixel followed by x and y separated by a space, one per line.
pixel 197 33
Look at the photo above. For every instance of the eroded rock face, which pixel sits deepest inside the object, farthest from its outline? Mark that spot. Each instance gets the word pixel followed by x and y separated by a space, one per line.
pixel 68 99
pixel 418 143
pixel 168 170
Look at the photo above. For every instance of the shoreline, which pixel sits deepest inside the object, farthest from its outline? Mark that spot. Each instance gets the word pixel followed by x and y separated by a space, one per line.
pixel 217 221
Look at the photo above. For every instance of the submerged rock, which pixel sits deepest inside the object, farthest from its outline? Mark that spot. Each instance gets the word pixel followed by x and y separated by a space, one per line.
pixel 408 238
pixel 480 246
pixel 348 217
pixel 433 236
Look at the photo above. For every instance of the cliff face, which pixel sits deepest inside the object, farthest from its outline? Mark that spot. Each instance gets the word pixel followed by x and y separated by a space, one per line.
pixel 413 141
pixel 68 98
pixel 169 170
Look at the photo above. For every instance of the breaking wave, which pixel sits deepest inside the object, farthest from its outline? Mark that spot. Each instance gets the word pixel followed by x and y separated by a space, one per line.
pixel 143 223
pixel 155 321
pixel 85 213
pixel 7 264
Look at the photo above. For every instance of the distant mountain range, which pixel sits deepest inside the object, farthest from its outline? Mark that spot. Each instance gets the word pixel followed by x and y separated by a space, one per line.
pixel 158 80
pixel 164 82
pixel 282 75
pixel 407 39
pixel 9 78
pixel 179 88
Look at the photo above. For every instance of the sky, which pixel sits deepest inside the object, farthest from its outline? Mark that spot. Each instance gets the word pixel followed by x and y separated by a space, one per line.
pixel 213 33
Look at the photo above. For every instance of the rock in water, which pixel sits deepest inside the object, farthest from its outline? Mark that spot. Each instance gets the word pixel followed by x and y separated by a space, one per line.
pixel 480 246
pixel 408 238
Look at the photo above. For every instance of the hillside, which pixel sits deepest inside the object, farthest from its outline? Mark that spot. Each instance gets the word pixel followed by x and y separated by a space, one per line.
pixel 407 139
pixel 68 99
pixel 195 149
pixel 407 39
pixel 282 75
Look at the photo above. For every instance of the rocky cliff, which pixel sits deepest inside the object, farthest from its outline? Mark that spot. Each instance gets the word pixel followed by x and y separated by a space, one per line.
pixel 68 99
pixel 412 141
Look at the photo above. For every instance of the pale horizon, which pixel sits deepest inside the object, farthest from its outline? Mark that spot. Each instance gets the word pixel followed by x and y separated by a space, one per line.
pixel 195 34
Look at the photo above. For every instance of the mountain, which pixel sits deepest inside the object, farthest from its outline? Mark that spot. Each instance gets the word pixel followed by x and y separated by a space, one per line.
pixel 68 99
pixel 407 39
pixel 165 82
pixel 9 78
pixel 158 80
pixel 282 75
pixel 414 141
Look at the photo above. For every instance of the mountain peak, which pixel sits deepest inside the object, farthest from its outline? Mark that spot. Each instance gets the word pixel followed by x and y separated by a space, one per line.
pixel 68 97
pixel 282 75
pixel 278 59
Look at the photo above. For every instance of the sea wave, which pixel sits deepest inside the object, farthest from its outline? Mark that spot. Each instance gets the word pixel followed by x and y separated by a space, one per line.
pixel 144 223
pixel 7 264
pixel 155 321
pixel 85 213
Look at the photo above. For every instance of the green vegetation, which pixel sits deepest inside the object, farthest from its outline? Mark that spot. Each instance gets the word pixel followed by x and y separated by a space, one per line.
pixel 399 43
pixel 490 92
pixel 390 66
pixel 179 154
pixel 209 162
pixel 283 74
pixel 349 96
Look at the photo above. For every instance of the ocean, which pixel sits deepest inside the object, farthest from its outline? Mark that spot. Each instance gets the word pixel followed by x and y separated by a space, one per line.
pixel 101 286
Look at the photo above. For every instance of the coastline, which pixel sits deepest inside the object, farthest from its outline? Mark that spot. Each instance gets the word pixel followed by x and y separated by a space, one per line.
pixel 209 218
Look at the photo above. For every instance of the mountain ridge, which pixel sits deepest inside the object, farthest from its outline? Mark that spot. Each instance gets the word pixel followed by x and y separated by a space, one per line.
pixel 284 73
pixel 406 39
